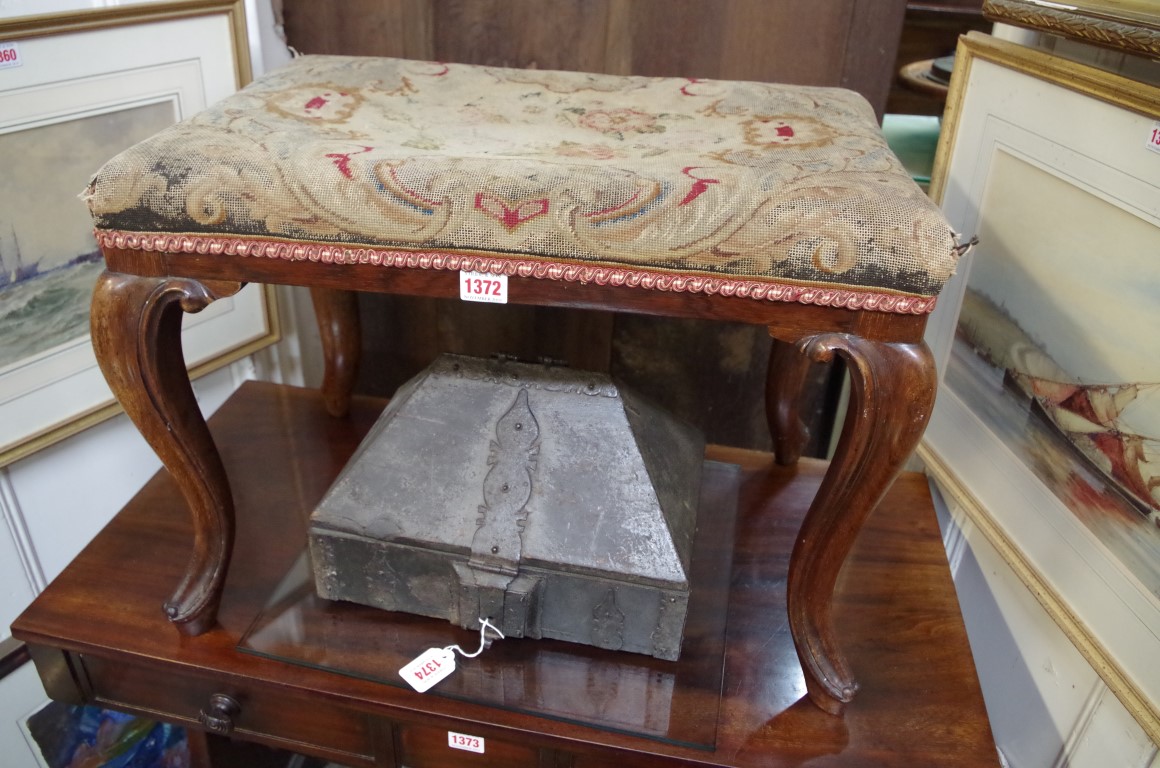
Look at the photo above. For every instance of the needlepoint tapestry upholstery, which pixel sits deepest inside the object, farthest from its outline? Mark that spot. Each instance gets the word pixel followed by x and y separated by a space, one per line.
pixel 768 191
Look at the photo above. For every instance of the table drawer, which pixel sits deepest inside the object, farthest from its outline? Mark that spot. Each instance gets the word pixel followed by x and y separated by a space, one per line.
pixel 429 747
pixel 279 718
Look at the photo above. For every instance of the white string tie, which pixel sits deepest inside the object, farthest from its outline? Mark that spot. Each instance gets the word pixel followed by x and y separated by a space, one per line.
pixel 483 640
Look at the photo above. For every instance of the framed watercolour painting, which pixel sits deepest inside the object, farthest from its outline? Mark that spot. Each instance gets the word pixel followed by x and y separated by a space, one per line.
pixel 1047 426
pixel 75 89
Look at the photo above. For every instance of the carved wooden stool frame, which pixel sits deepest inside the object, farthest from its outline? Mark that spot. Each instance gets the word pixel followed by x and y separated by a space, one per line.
pixel 136 320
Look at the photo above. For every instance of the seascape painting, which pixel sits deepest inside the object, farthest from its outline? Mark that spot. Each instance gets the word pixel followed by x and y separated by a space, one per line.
pixel 91 90
pixel 1056 350
pixel 49 260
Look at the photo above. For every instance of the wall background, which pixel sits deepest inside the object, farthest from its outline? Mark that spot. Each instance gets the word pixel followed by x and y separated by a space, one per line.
pixel 54 501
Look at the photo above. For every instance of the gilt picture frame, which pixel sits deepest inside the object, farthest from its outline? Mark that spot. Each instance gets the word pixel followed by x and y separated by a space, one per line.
pixel 1045 427
pixel 75 89
pixel 1130 26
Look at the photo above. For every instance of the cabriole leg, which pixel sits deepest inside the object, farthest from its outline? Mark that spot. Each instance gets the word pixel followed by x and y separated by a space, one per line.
pixel 892 388
pixel 136 331
pixel 338 326
pixel 788 368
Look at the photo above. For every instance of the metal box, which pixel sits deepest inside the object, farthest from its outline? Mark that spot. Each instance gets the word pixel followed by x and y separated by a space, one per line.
pixel 548 500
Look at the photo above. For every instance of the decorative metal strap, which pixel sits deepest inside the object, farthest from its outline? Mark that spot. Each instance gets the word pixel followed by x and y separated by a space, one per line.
pixel 507 488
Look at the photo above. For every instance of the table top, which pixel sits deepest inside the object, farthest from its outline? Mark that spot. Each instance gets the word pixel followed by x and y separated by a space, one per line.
pixel 920 701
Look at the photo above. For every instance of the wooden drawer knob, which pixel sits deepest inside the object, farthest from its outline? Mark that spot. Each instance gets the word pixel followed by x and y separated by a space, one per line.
pixel 218 717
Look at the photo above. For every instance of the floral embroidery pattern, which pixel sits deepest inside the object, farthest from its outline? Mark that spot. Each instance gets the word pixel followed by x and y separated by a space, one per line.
pixel 594 151
pixel 342 160
pixel 700 185
pixel 508 213
pixel 620 121
pixel 800 132
pixel 317 102
pixel 747 183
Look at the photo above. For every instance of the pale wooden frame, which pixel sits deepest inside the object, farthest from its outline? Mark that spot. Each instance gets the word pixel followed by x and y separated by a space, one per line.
pixel 951 438
pixel 146 18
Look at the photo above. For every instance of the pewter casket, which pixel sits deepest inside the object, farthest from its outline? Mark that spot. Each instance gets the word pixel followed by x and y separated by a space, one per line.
pixel 548 500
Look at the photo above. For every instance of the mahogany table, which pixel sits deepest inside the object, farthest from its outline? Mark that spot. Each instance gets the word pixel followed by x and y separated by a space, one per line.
pixel 97 636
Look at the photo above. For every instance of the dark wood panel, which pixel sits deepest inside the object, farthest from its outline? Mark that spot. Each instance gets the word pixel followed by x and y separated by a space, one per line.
pixel 875 28
pixel 552 34
pixel 683 38
pixel 403 334
pixel 360 27
pixel 705 373
pixel 838 42
pixel 804 42
pixel 789 41
pixel 852 43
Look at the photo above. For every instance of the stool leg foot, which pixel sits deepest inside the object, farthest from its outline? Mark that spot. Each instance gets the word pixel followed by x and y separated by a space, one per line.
pixel 136 332
pixel 788 368
pixel 338 325
pixel 892 394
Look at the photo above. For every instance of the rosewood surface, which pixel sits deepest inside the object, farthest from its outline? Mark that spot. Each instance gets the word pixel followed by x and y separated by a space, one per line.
pixel 97 634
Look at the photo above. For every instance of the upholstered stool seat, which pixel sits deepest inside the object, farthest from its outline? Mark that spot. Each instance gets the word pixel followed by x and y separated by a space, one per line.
pixel 774 205
pixel 765 191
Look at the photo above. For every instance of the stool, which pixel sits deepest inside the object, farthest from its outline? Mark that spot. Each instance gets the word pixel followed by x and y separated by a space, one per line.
pixel 767 204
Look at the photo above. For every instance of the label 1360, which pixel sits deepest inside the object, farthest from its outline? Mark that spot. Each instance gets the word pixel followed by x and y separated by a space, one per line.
pixel 10 55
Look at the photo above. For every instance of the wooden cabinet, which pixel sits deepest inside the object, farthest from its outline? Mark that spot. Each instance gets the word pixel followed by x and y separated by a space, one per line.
pixel 236 708
pixel 97 634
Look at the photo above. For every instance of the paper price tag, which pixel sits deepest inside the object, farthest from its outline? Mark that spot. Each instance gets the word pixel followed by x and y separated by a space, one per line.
pixel 434 664
pixel 428 668
pixel 465 742
pixel 483 286
pixel 10 55
pixel 1154 137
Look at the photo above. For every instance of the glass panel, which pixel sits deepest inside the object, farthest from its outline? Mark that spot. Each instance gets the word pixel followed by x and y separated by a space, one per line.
pixel 676 702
